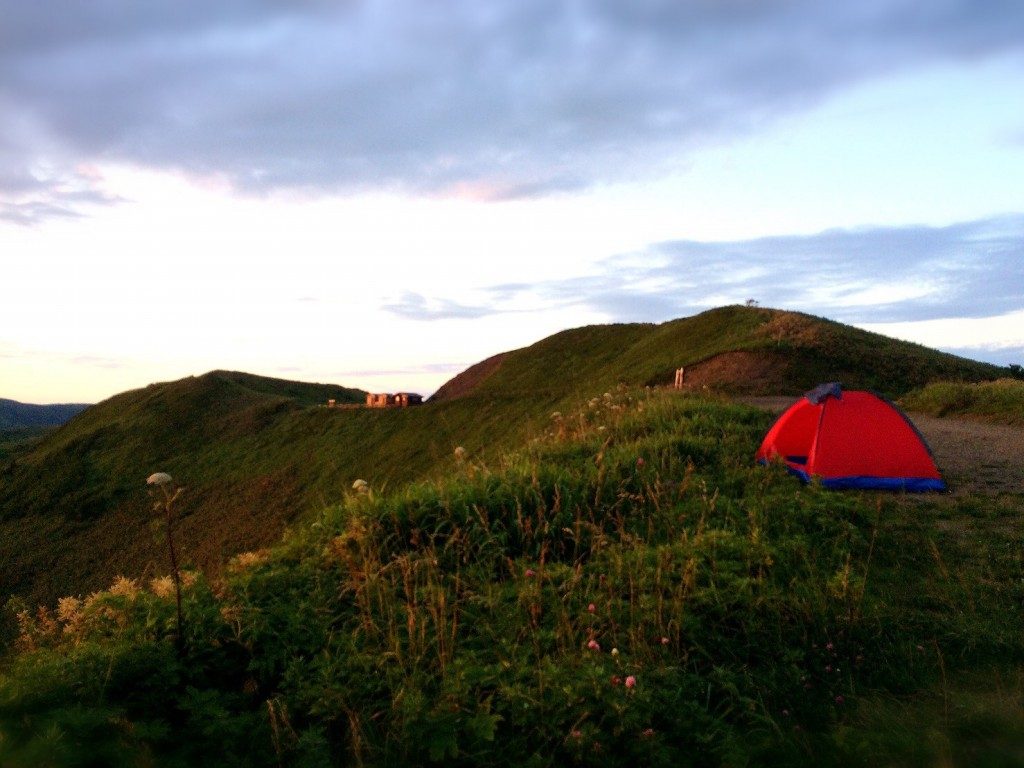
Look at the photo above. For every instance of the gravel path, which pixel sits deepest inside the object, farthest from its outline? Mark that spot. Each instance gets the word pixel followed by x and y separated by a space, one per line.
pixel 974 457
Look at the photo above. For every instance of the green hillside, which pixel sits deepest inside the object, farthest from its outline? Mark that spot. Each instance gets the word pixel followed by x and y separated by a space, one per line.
pixel 20 439
pixel 798 351
pixel 258 454
pixel 82 482
pixel 623 588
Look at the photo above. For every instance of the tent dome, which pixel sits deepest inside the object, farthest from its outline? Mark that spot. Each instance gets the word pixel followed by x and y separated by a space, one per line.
pixel 851 440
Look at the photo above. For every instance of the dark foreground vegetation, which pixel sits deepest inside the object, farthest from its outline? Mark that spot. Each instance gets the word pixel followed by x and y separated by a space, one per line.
pixel 624 589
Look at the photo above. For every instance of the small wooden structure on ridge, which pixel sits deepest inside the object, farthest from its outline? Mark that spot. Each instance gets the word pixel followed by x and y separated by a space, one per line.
pixel 397 400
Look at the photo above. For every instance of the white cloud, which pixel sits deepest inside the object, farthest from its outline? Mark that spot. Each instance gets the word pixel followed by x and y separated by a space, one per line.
pixel 984 334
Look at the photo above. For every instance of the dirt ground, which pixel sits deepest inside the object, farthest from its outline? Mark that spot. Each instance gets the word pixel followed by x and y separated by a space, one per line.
pixel 972 456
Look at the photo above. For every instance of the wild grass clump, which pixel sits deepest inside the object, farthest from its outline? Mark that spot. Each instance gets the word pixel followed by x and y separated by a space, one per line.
pixel 1000 401
pixel 628 589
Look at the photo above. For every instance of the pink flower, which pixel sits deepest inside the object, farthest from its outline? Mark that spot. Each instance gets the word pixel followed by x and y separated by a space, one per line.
pixel 647 733
pixel 577 735
pixel 616 680
pixel 828 667
pixel 840 699
pixel 664 641
pixel 591 608
pixel 640 461
pixel 594 645
pixel 530 573
pixel 631 682
pixel 829 647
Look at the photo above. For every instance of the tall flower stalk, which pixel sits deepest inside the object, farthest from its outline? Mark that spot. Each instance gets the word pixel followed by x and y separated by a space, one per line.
pixel 163 482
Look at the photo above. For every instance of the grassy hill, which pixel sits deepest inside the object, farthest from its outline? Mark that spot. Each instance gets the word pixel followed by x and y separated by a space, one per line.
pixel 623 588
pixel 84 483
pixel 732 349
pixel 259 454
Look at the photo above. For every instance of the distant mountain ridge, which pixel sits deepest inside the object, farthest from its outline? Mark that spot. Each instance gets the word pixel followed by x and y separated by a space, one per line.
pixel 256 454
pixel 15 415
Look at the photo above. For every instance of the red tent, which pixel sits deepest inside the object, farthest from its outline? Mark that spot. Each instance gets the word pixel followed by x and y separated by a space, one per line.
pixel 851 440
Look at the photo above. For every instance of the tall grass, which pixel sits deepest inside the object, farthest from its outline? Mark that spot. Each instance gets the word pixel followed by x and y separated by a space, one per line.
pixel 626 589
pixel 1000 401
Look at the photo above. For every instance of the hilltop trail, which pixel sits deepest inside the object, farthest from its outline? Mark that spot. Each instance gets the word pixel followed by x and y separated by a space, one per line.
pixel 974 457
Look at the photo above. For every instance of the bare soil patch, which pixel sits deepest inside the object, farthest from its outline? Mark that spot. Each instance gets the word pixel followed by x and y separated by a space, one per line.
pixel 974 457
pixel 738 372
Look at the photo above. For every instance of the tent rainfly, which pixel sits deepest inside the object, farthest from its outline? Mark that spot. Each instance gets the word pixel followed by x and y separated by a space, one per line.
pixel 851 440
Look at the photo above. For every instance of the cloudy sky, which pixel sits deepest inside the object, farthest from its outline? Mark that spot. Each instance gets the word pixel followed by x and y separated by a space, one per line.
pixel 381 193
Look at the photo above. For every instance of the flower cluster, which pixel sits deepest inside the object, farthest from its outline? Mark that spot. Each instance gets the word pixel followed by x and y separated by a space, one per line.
pixel 159 478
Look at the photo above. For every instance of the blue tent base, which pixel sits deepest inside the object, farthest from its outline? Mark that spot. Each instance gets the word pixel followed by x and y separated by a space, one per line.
pixel 866 482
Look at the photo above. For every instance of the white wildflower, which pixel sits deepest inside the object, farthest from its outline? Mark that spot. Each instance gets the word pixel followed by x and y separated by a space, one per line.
pixel 460 453
pixel 361 486
pixel 159 478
